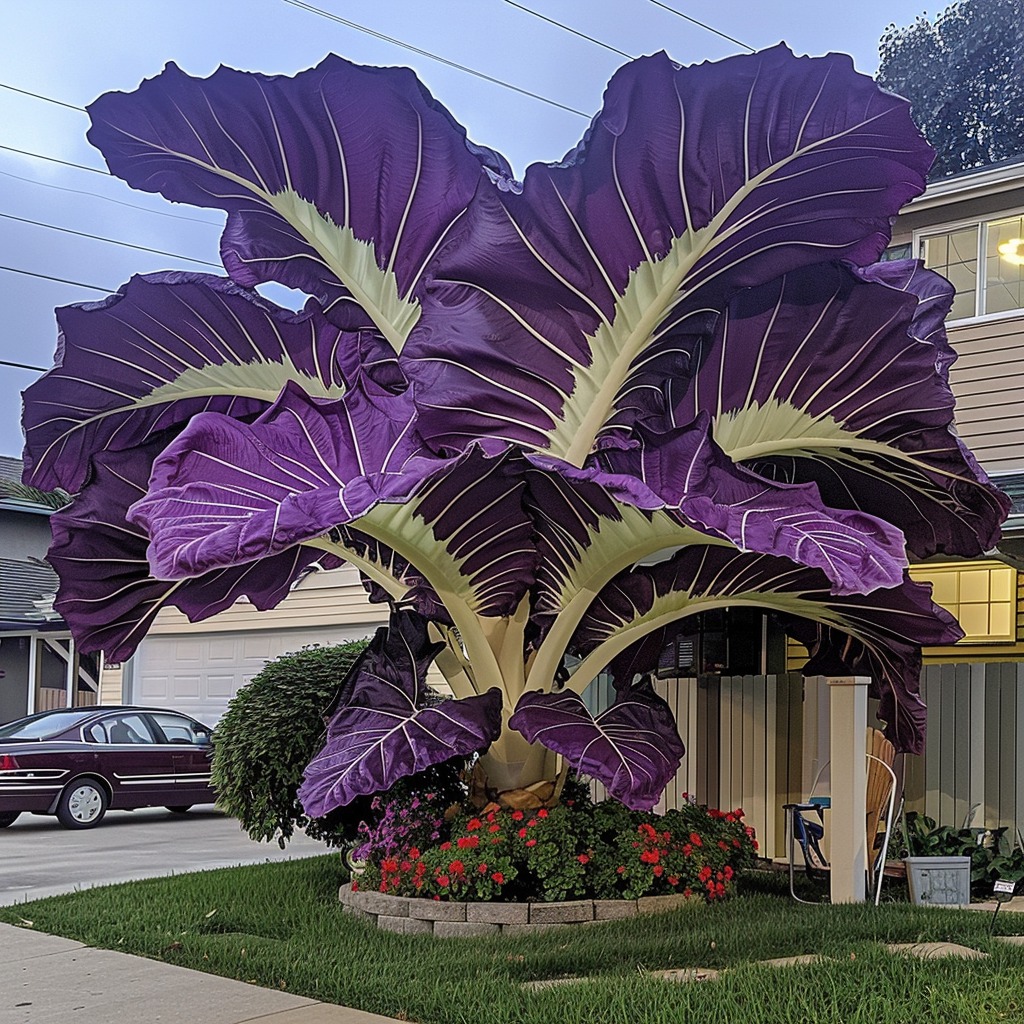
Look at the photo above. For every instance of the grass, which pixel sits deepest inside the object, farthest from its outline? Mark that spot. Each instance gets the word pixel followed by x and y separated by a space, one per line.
pixel 280 925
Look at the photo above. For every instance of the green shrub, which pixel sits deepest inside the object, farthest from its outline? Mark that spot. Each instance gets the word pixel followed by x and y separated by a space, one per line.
pixel 270 732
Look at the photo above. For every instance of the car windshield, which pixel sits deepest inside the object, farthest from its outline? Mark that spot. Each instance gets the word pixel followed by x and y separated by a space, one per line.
pixel 41 726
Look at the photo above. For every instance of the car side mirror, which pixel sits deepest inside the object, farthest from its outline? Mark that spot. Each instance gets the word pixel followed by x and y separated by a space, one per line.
pixel 204 739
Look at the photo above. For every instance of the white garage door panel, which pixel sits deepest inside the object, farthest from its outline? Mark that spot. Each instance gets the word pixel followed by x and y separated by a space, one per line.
pixel 200 674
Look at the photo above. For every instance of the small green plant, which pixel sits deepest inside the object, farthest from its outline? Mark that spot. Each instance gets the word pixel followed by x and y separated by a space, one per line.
pixel 271 730
pixel 993 855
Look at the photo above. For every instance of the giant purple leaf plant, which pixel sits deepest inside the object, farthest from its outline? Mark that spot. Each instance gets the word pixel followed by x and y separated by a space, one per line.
pixel 547 420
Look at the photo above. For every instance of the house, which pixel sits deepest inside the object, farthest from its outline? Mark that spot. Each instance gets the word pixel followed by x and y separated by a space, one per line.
pixel 39 666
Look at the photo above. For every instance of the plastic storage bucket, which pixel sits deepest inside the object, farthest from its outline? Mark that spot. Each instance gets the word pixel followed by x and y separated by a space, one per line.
pixel 939 881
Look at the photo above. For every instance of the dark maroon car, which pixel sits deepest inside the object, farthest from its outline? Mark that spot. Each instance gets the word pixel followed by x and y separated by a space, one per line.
pixel 78 762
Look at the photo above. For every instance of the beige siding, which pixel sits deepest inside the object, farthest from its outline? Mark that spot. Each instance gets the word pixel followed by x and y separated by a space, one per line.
pixel 110 685
pixel 988 382
pixel 334 598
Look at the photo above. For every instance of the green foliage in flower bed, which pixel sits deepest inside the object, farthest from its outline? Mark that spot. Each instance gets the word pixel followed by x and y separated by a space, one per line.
pixel 993 855
pixel 577 850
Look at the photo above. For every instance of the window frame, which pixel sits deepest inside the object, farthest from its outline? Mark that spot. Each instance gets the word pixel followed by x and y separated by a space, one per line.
pixel 982 223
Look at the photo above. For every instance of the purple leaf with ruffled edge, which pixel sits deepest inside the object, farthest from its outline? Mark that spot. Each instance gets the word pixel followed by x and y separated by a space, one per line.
pixel 225 492
pixel 168 346
pixel 633 747
pixel 639 603
pixel 379 733
pixel 108 596
pixel 684 472
pixel 691 183
pixel 340 181
pixel 838 377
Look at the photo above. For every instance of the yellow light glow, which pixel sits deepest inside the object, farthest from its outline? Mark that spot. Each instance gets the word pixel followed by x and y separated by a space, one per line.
pixel 1010 251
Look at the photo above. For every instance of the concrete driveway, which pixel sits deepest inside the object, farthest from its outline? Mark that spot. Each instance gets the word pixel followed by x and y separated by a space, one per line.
pixel 39 858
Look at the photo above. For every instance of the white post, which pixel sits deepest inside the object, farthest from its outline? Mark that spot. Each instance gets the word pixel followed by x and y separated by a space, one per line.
pixel 33 668
pixel 848 714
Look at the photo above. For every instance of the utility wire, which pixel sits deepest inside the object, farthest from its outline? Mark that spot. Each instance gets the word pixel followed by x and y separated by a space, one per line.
pixel 59 280
pixel 40 96
pixel 569 28
pixel 21 366
pixel 111 241
pixel 431 56
pixel 701 24
pixel 107 199
pixel 54 160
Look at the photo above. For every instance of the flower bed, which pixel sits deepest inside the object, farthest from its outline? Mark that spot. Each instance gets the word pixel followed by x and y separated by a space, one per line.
pixel 575 852
pixel 462 919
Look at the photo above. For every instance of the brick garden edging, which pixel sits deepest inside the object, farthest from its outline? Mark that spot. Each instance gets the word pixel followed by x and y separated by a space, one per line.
pixel 413 916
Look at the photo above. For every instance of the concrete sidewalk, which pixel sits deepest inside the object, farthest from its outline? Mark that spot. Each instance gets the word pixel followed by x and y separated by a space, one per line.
pixel 49 980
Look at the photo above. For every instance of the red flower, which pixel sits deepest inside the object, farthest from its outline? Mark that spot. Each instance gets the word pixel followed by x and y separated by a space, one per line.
pixel 494 828
pixel 687 893
pixel 481 869
pixel 517 815
pixel 498 877
pixel 650 856
pixel 490 817
pixel 389 865
pixel 723 845
pixel 522 833
pixel 473 824
pixel 728 871
pixel 532 822
pixel 413 853
pixel 687 849
pixel 446 846
pixel 583 858
pixel 621 869
pixel 531 842
pixel 457 867
pixel 673 880
pixel 443 880
pixel 406 865
pixel 658 870
pixel 542 813
pixel 696 839
pixel 705 873
pixel 469 842
pixel 355 885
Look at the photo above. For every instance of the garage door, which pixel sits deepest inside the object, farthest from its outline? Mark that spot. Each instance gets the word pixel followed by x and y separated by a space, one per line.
pixel 199 674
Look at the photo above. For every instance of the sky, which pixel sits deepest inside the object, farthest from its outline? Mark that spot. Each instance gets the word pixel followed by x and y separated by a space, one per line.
pixel 74 50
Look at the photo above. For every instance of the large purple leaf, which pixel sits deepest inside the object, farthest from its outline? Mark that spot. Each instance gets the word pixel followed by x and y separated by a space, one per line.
pixel 683 471
pixel 638 605
pixel 224 493
pixel 164 348
pixel 380 733
pixel 108 596
pixel 839 378
pixel 340 181
pixel 633 747
pixel 690 184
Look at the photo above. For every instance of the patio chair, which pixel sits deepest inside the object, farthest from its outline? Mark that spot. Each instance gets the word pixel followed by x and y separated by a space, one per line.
pixel 805 822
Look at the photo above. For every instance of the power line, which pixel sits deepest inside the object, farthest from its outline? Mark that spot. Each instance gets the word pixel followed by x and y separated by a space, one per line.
pixel 54 160
pixel 21 366
pixel 59 280
pixel 431 56
pixel 108 199
pixel 569 28
pixel 708 28
pixel 40 96
pixel 111 241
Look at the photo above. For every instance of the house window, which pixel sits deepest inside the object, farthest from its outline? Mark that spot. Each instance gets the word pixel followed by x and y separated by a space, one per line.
pixel 982 596
pixel 984 262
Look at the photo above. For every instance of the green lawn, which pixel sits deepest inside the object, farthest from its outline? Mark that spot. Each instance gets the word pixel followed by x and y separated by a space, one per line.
pixel 280 925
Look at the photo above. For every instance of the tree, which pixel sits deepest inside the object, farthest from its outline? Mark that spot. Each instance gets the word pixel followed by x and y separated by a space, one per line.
pixel 546 420
pixel 964 77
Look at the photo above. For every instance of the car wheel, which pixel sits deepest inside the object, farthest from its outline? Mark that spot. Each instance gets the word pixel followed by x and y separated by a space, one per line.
pixel 8 818
pixel 180 809
pixel 82 804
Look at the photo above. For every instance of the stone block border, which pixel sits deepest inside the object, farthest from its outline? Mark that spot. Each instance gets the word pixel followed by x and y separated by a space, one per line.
pixel 443 920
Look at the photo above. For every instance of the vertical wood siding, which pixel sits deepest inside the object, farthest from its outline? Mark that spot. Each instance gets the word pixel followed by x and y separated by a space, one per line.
pixel 973 764
pixel 743 739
